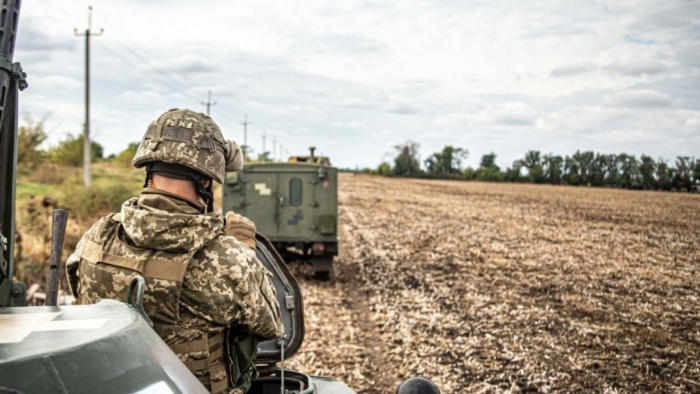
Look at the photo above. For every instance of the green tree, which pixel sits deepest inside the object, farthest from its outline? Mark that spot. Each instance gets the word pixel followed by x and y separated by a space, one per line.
pixel 682 177
pixel 513 173
pixel 448 161
pixel 533 163
pixel 488 161
pixel 123 159
pixel 629 170
pixel 647 169
pixel 663 175
pixel 406 161
pixel 571 171
pixel 584 162
pixel 29 137
pixel 611 170
pixel 598 170
pixel 553 168
pixel 70 151
pixel 384 169
pixel 488 170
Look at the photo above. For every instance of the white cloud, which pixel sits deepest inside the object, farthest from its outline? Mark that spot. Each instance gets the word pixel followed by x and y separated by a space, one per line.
pixel 403 108
pixel 35 38
pixel 512 113
pixel 184 64
pixel 520 75
pixel 690 119
pixel 635 67
pixel 55 82
pixel 574 119
pixel 640 99
pixel 571 69
pixel 627 136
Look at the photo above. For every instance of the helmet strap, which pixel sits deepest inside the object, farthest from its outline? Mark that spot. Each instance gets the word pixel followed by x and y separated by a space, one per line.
pixel 206 194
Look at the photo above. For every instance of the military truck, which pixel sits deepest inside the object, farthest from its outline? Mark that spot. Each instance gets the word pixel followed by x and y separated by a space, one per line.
pixel 110 347
pixel 294 203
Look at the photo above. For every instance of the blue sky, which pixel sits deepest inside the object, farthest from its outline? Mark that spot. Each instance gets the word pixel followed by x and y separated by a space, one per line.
pixel 355 78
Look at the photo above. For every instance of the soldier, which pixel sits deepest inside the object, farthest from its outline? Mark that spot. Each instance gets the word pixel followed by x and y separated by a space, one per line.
pixel 209 297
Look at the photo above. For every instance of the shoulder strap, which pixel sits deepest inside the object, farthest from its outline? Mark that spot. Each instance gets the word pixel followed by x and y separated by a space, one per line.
pixel 148 267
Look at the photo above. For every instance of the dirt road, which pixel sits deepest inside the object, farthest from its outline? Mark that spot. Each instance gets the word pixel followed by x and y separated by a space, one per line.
pixel 496 288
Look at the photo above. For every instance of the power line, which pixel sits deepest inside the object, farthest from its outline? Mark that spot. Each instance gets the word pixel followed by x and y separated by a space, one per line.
pixel 161 74
pixel 128 62
pixel 161 69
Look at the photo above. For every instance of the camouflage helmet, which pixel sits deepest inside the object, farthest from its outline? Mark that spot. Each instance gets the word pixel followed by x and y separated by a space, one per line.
pixel 191 139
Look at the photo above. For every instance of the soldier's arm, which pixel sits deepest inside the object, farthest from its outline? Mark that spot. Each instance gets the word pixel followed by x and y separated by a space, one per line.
pixel 260 313
pixel 228 286
pixel 73 263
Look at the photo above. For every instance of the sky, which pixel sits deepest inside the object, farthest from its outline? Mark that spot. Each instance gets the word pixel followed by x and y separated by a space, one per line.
pixel 358 77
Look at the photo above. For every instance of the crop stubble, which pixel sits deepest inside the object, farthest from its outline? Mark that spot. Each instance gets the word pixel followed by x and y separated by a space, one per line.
pixel 493 288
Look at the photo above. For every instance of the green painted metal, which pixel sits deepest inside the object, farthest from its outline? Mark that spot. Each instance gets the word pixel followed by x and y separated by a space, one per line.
pixel 11 79
pixel 102 348
pixel 268 194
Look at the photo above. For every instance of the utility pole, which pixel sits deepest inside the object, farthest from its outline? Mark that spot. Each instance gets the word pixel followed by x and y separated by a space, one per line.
pixel 86 129
pixel 208 103
pixel 245 124
pixel 264 137
pixel 274 147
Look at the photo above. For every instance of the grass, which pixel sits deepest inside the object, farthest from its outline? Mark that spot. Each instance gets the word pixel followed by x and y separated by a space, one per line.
pixel 50 186
pixel 25 189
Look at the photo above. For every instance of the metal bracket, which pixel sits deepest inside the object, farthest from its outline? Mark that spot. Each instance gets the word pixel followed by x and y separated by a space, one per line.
pixel 19 294
pixel 19 75
pixel 138 284
pixel 289 301
pixel 15 69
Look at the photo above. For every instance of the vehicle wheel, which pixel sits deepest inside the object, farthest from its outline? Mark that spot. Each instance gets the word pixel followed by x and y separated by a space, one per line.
pixel 323 268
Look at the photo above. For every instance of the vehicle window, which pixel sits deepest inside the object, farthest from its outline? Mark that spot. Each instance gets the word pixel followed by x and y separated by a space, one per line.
pixel 295 192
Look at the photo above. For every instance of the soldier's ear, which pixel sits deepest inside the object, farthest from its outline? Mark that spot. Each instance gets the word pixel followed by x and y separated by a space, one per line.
pixel 206 182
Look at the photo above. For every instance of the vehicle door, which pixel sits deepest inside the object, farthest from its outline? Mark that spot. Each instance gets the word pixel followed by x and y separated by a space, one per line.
pixel 297 205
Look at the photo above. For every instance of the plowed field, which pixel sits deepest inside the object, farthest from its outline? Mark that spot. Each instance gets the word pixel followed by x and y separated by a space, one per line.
pixel 495 288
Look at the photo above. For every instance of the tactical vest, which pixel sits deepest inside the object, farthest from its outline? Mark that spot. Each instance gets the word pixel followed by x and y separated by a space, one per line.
pixel 107 265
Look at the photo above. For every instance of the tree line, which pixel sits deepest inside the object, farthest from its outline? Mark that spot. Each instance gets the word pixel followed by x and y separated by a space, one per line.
pixel 583 168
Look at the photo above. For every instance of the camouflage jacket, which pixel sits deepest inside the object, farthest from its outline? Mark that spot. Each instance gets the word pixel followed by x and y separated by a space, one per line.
pixel 202 287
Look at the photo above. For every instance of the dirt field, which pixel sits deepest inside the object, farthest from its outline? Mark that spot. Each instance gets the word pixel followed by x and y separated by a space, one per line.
pixel 490 288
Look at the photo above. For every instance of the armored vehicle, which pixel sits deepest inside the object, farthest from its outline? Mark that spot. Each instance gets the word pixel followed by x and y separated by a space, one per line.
pixel 110 347
pixel 295 204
